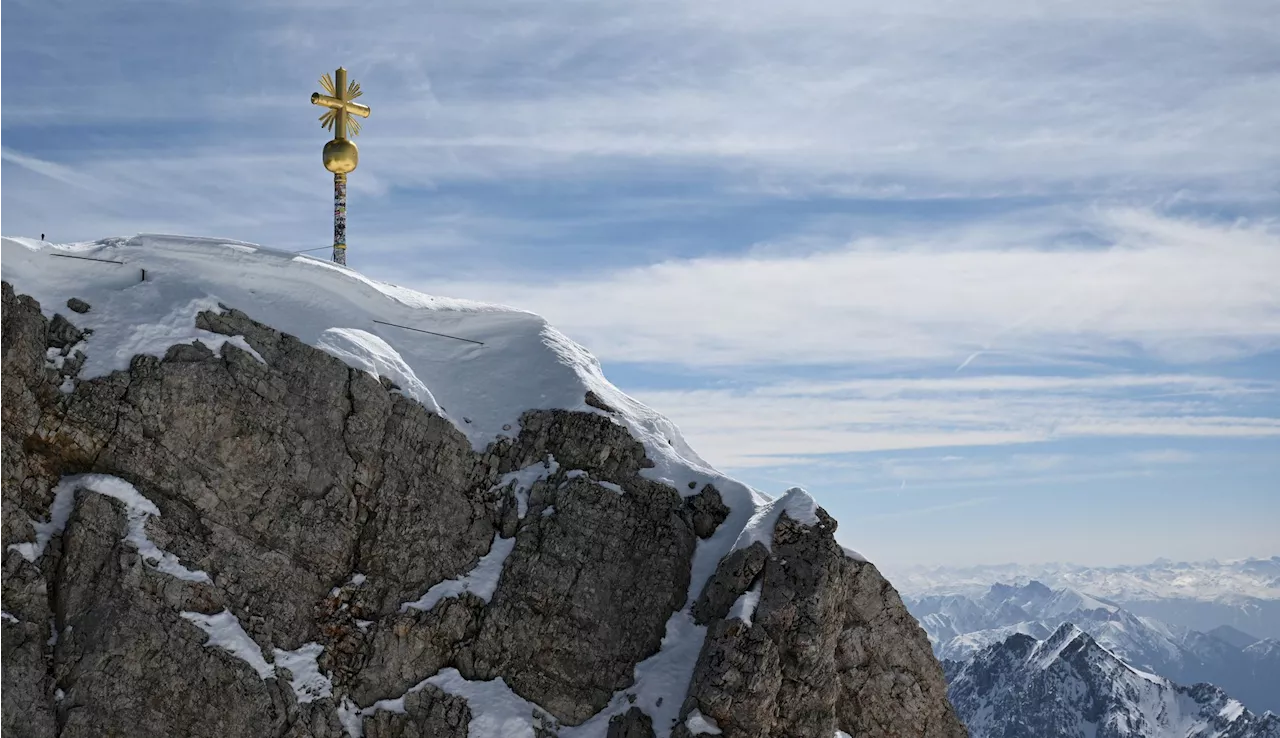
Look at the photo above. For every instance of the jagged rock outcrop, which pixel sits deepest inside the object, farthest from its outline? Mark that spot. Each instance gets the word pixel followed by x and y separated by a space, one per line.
pixel 428 713
pixel 827 631
pixel 304 504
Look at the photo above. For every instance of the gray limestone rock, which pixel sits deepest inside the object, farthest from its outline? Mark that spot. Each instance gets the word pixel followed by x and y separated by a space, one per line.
pixel 734 575
pixel 407 648
pixel 62 334
pixel 830 647
pixel 585 595
pixel 633 723
pixel 708 511
pixel 127 661
pixel 29 700
pixel 428 713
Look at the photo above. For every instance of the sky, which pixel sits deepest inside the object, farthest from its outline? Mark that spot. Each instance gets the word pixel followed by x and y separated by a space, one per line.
pixel 996 281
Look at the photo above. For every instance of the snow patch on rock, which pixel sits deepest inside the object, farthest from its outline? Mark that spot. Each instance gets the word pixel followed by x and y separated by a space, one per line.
pixel 582 473
pixel 137 508
pixel 496 711
pixel 795 502
pixel 363 350
pixel 480 581
pixel 224 632
pixel 699 724
pixel 524 479
pixel 307 681
pixel 744 608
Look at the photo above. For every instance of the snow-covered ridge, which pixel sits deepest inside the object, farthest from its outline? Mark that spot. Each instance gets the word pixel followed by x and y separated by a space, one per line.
pixel 519 362
pixel 137 508
pixel 1068 684
pixel 960 626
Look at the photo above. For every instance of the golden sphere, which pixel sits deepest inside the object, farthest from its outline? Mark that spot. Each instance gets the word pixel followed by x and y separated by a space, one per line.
pixel 341 156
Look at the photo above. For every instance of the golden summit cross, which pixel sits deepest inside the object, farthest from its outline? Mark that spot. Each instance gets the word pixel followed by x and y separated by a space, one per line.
pixel 340 154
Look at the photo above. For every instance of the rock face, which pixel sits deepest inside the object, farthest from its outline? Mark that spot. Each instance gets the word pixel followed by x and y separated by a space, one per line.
pixel 828 631
pixel 289 507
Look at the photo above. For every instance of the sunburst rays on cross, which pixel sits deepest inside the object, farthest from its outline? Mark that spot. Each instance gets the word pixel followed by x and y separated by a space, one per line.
pixel 330 117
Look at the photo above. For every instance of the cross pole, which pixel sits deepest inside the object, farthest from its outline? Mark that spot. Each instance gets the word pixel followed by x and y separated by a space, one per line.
pixel 340 155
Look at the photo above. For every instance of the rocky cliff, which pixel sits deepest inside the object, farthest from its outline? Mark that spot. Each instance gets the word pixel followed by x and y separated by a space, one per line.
pixel 250 537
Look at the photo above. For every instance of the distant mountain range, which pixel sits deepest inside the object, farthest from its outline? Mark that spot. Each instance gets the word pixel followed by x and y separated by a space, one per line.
pixel 1242 594
pixel 961 625
pixel 1067 685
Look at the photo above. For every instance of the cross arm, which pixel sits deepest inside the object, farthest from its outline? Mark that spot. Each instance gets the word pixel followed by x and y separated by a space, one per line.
pixel 336 104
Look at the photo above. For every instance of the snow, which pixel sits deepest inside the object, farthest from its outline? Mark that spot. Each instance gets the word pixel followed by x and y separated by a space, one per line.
pixel 1231 710
pixel 582 473
pixel 744 608
pixel 664 677
pixel 795 502
pixel 224 632
pixel 699 724
pixel 496 711
pixel 64 500
pixel 307 682
pixel 1048 650
pixel 355 581
pixel 480 581
pixel 351 717
pixel 524 479
pixel 965 645
pixel 524 364
pixel 8 618
pixel 137 508
pixel 364 350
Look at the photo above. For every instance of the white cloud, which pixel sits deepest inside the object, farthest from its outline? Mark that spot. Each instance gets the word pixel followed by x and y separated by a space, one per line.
pixel 1172 289
pixel 793 423
pixel 932 509
pixel 923 99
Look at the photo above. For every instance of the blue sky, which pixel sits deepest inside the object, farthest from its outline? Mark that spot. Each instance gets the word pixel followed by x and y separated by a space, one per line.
pixel 997 281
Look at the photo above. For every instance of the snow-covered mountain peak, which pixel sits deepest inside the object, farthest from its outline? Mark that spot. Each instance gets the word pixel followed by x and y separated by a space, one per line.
pixel 960 626
pixel 1069 686
pixel 1048 651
